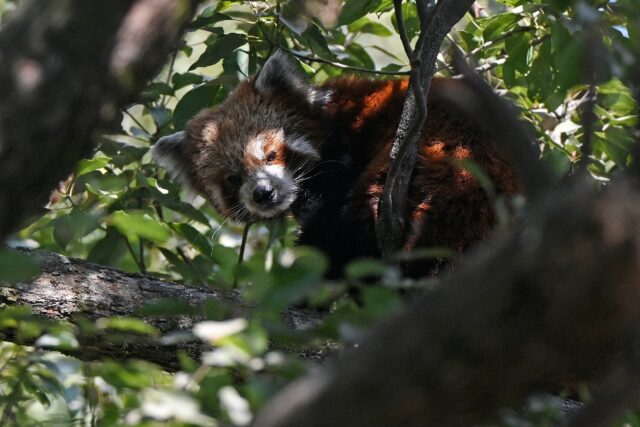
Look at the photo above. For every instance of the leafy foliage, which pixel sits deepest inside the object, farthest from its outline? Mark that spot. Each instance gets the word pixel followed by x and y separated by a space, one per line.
pixel 118 208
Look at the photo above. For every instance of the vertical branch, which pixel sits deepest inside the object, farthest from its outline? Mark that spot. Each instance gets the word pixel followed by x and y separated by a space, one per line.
pixel 635 152
pixel 436 20
pixel 588 119
pixel 402 31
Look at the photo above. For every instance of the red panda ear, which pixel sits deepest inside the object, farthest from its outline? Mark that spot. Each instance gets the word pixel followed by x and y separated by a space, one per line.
pixel 280 75
pixel 170 152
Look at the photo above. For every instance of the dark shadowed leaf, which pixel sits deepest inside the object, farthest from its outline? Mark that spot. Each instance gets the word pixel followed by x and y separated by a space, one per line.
pixel 193 102
pixel 220 48
pixel 16 266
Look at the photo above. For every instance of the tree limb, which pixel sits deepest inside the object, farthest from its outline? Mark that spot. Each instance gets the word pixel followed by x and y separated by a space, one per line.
pixel 71 289
pixel 435 23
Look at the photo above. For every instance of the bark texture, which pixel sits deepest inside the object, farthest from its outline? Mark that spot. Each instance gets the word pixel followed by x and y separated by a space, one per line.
pixel 71 289
pixel 67 67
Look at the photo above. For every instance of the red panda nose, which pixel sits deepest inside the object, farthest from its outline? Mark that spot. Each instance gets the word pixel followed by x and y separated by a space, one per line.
pixel 263 194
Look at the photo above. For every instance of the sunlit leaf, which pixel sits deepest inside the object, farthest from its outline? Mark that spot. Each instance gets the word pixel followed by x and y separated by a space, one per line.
pixel 139 224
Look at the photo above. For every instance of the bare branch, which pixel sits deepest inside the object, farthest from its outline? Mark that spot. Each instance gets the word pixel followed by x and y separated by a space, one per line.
pixel 329 62
pixel 402 31
pixel 71 289
pixel 435 23
pixel 588 119
pixel 478 11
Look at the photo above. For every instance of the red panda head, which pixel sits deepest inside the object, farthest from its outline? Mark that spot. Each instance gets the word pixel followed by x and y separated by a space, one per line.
pixel 248 155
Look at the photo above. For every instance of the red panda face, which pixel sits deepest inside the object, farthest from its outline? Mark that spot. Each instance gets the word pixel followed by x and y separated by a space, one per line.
pixel 248 155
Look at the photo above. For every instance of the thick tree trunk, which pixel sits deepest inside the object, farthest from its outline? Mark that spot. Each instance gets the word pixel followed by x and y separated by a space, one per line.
pixel 71 289
pixel 67 67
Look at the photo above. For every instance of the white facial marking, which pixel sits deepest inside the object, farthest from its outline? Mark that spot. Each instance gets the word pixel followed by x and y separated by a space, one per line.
pixel 210 132
pixel 276 177
pixel 276 171
pixel 255 147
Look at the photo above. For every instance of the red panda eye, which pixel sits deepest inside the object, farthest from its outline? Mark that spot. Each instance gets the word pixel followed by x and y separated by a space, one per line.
pixel 271 156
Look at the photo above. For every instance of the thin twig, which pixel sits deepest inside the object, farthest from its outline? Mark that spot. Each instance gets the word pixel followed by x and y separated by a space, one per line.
pixel 402 31
pixel 243 245
pixel 133 253
pixel 588 119
pixel 132 117
pixel 498 39
pixel 163 102
pixel 329 62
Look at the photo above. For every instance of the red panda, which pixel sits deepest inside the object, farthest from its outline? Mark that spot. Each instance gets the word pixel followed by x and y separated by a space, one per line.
pixel 279 144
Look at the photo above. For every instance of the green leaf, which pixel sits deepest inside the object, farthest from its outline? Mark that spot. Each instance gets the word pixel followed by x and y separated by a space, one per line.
pixel 361 56
pixel 380 302
pixel 193 236
pixel 498 25
pixel 190 212
pixel 127 324
pixel 222 47
pixel 316 41
pixel 155 90
pixel 365 268
pixel 138 223
pixel 17 267
pixel 181 267
pixel 366 25
pixel 618 143
pixel 615 97
pixel 540 77
pixel 411 20
pixel 207 19
pixel 557 162
pixel 90 165
pixel 180 80
pixel 193 102
pixel 73 226
pixel 354 9
pixel 61 340
pixel 110 250
pixel 161 115
pixel 517 47
pixel 569 65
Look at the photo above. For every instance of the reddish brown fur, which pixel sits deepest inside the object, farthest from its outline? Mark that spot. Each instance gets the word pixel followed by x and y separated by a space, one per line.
pixel 447 206
pixel 355 128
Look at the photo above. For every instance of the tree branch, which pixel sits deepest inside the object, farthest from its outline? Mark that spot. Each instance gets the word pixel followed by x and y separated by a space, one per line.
pixel 71 289
pixel 435 23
